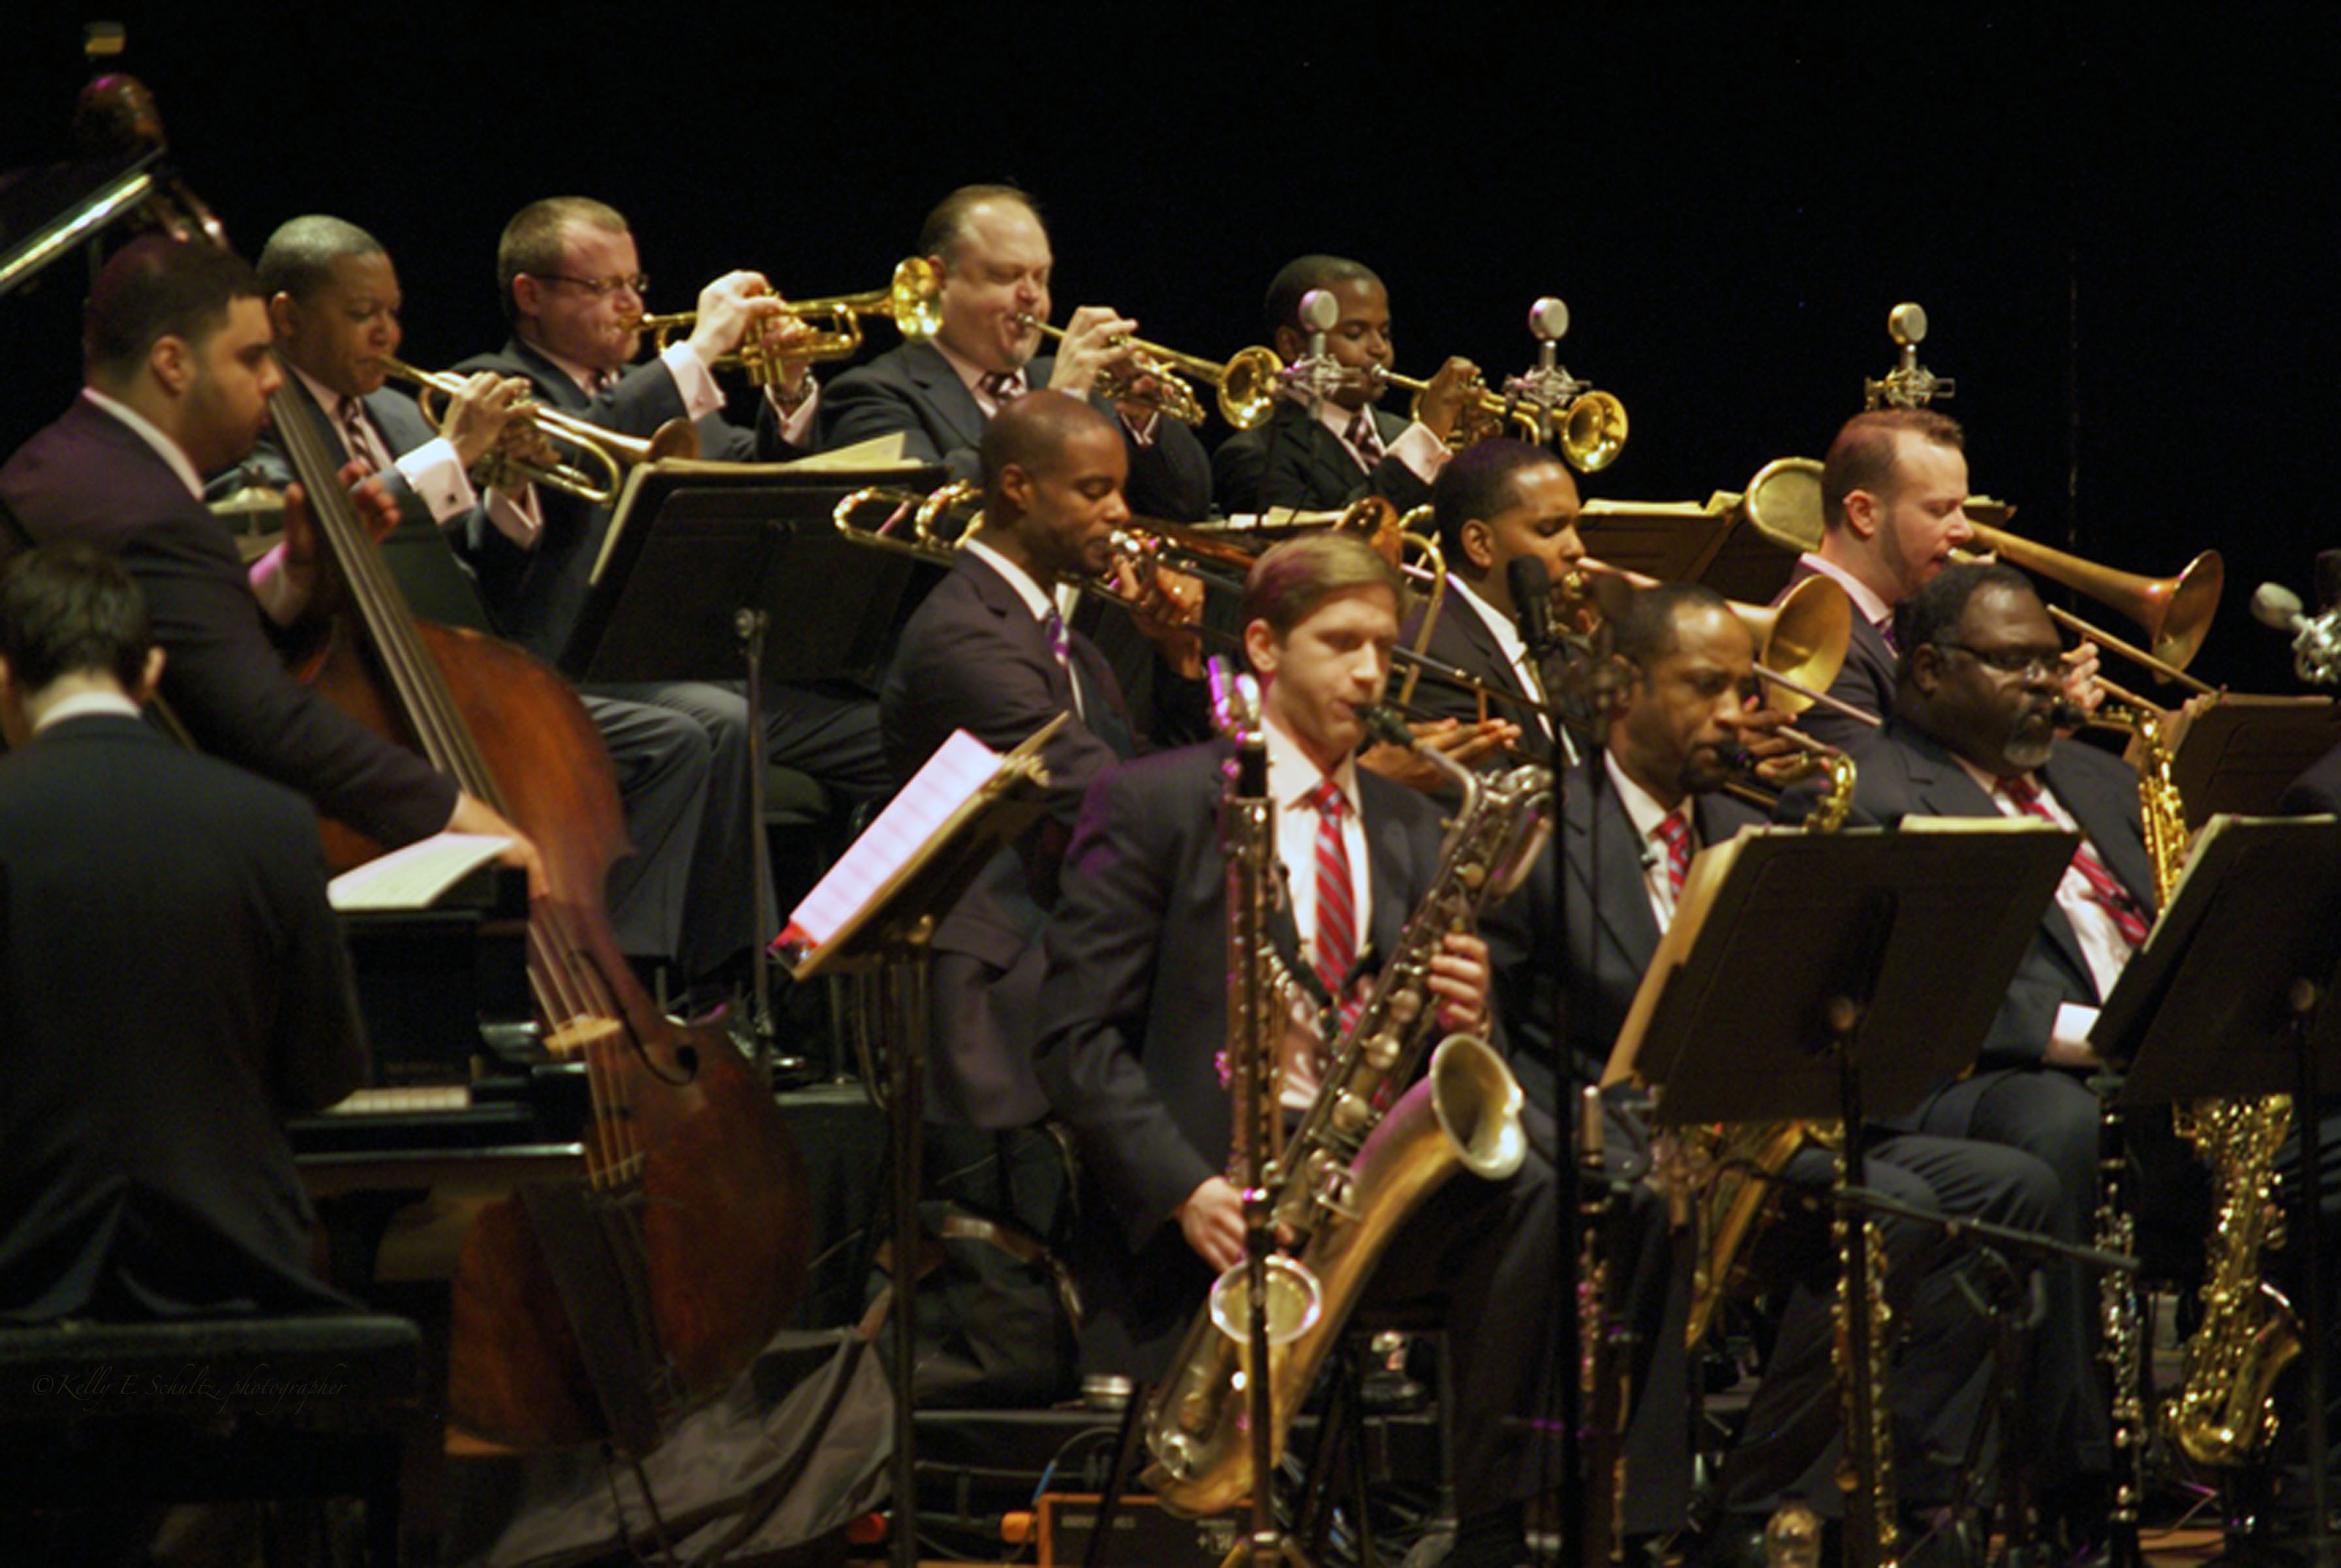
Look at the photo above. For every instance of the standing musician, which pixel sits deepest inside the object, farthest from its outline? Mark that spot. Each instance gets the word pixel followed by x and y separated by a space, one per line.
pixel 179 370
pixel 570 282
pixel 1134 1007
pixel 334 300
pixel 1632 819
pixel 989 652
pixel 996 264
pixel 1973 735
pixel 1322 453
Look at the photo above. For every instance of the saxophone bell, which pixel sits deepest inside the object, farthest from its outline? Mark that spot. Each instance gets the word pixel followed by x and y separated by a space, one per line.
pixel 1295 1300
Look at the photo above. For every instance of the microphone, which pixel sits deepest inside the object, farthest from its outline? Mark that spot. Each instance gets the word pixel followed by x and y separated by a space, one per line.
pixel 2316 640
pixel 1316 373
pixel 1532 586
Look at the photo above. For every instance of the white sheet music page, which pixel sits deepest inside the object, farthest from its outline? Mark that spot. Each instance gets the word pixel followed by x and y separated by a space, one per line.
pixel 962 766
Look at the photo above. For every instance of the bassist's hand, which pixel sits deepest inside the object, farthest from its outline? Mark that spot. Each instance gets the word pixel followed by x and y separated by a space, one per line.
pixel 473 815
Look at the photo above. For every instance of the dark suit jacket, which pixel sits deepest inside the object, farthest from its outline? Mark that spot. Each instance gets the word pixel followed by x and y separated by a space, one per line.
pixel 1461 639
pixel 1584 901
pixel 1293 460
pixel 1907 774
pixel 1865 681
pixel 395 419
pixel 1134 1010
pixel 973 657
pixel 536 595
pixel 171 983
pixel 913 388
pixel 90 477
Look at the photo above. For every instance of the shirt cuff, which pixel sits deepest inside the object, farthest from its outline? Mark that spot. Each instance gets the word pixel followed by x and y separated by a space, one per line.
pixel 796 425
pixel 517 518
pixel 434 473
pixel 692 379
pixel 282 592
pixel 1423 454
pixel 2074 1022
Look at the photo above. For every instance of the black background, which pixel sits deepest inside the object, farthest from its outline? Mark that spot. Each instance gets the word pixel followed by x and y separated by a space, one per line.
pixel 2120 221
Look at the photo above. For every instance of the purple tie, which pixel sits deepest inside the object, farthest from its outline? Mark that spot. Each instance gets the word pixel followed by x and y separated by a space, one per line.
pixel 1363 438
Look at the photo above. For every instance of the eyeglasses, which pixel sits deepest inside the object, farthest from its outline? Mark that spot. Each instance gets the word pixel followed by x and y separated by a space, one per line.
pixel 638 284
pixel 2031 664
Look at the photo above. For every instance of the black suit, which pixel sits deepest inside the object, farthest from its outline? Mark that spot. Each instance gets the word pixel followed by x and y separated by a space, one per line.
pixel 90 477
pixel 913 389
pixel 171 983
pixel 2011 1097
pixel 1609 936
pixel 1461 639
pixel 1865 681
pixel 1135 1018
pixel 397 423
pixel 974 657
pixel 1294 460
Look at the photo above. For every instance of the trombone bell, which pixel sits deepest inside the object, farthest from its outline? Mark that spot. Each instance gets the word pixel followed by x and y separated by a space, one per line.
pixel 1803 637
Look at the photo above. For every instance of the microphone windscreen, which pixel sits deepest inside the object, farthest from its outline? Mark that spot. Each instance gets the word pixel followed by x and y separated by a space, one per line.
pixel 1531 587
pixel 2273 604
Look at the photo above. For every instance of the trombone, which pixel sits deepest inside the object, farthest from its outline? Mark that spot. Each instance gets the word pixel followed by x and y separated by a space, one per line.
pixel 607 453
pixel 1246 383
pixel 2176 612
pixel 1800 641
pixel 912 301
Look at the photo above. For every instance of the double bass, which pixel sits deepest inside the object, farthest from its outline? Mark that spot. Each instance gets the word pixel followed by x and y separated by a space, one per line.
pixel 599 1308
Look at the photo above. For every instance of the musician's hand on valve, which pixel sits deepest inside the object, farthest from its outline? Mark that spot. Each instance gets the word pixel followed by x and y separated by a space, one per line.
pixel 782 336
pixel 1212 1221
pixel 2079 677
pixel 1450 393
pixel 480 412
pixel 473 815
pixel 1089 347
pixel 728 307
pixel 1458 979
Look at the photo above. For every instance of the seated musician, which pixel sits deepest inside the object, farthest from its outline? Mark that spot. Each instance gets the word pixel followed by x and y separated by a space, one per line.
pixel 993 250
pixel 142 1165
pixel 988 651
pixel 179 370
pixel 1134 1005
pixel 1318 452
pixel 1632 820
pixel 1973 735
pixel 684 895
pixel 1498 501
pixel 570 282
pixel 1894 491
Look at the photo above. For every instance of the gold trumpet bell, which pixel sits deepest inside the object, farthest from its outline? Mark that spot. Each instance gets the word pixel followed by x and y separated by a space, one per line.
pixel 1248 386
pixel 915 299
pixel 1803 637
pixel 1593 432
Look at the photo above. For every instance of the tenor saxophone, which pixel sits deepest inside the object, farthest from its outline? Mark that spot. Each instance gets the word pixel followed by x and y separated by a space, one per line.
pixel 1363 1157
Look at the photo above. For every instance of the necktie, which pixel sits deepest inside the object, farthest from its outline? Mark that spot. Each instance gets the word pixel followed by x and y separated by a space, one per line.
pixel 1002 387
pixel 2127 917
pixel 1363 438
pixel 601 381
pixel 355 443
pixel 1673 832
pixel 1062 645
pixel 1336 916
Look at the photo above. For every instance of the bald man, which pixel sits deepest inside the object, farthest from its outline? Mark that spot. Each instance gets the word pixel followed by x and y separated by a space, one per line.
pixel 989 652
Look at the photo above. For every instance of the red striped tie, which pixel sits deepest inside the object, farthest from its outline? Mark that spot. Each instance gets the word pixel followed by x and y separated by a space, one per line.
pixel 1673 832
pixel 2127 917
pixel 1337 909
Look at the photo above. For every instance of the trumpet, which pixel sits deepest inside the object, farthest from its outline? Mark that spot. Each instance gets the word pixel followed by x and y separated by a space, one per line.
pixel 1246 383
pixel 912 301
pixel 1591 429
pixel 608 453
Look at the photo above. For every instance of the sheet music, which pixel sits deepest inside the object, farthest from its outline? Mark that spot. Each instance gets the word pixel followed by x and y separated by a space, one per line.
pixel 416 877
pixel 960 767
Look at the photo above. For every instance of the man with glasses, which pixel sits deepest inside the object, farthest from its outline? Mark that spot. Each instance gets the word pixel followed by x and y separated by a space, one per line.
pixel 573 287
pixel 1973 733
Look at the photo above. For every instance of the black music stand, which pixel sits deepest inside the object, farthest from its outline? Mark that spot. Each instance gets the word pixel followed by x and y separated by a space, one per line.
pixel 2228 1000
pixel 732 571
pixel 892 885
pixel 2239 755
pixel 1816 976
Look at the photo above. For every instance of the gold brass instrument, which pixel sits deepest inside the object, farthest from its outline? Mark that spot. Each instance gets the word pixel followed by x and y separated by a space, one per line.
pixel 608 451
pixel 1246 382
pixel 2176 611
pixel 1800 642
pixel 1591 429
pixel 1351 1174
pixel 912 301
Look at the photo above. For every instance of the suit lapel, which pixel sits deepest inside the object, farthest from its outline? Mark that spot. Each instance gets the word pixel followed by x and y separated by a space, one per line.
pixel 946 394
pixel 2105 818
pixel 551 380
pixel 1396 877
pixel 1603 858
